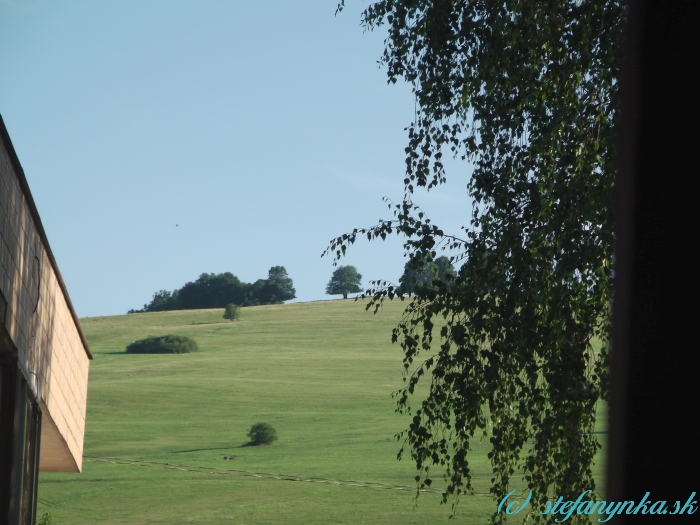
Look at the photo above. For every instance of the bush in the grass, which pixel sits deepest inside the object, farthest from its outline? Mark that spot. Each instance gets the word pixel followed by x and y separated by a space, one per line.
pixel 164 344
pixel 262 434
pixel 232 312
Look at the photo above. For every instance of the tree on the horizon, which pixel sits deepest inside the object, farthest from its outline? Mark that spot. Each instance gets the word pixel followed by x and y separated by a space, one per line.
pixel 527 92
pixel 161 301
pixel 345 280
pixel 280 285
pixel 420 276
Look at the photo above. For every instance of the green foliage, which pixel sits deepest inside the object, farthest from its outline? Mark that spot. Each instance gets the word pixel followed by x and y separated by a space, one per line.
pixel 162 300
pixel 419 277
pixel 232 312
pixel 213 290
pixel 528 92
pixel 262 434
pixel 276 288
pixel 46 519
pixel 164 344
pixel 345 280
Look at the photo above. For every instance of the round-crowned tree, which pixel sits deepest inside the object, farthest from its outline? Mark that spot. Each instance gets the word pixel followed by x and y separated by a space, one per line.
pixel 262 434
pixel 345 280
pixel 164 344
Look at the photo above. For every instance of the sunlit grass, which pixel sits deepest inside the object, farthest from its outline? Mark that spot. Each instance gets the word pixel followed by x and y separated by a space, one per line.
pixel 321 373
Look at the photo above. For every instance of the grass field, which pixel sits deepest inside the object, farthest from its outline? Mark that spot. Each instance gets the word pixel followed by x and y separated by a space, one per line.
pixel 321 373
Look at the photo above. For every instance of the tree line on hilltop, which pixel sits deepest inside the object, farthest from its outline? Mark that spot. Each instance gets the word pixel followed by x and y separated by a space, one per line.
pixel 420 277
pixel 213 290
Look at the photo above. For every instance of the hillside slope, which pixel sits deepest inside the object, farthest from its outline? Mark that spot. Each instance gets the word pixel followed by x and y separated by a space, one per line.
pixel 321 373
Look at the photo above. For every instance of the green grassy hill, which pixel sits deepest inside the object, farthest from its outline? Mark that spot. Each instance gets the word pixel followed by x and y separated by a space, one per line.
pixel 321 373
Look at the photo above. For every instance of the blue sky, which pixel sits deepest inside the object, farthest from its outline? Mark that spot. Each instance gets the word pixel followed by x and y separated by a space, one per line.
pixel 260 129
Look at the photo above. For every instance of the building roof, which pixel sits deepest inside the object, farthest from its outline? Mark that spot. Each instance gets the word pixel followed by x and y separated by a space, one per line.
pixel 19 172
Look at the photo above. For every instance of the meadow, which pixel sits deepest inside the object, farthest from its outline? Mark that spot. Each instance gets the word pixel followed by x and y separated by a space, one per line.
pixel 166 434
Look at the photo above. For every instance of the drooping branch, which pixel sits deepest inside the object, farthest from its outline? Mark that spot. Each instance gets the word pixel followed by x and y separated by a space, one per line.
pixel 527 91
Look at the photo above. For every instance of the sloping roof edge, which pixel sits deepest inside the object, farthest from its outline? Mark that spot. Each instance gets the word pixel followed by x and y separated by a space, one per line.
pixel 5 137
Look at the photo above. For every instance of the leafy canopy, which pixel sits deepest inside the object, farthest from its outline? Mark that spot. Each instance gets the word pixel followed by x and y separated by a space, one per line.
pixel 213 290
pixel 262 434
pixel 345 280
pixel 527 92
pixel 232 312
pixel 420 276
pixel 277 288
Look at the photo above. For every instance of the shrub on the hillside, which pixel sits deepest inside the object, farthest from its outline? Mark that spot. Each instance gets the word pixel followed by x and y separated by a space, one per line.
pixel 164 344
pixel 232 312
pixel 262 434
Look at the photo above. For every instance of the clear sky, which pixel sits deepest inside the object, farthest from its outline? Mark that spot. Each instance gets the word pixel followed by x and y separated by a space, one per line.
pixel 166 138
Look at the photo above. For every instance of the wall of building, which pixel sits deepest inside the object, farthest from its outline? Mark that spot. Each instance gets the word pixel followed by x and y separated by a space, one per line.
pixel 40 321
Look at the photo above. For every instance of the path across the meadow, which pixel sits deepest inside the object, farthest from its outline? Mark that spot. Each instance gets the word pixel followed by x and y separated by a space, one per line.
pixel 265 475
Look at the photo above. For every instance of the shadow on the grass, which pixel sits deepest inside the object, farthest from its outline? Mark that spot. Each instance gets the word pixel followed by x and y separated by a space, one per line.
pixel 202 449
